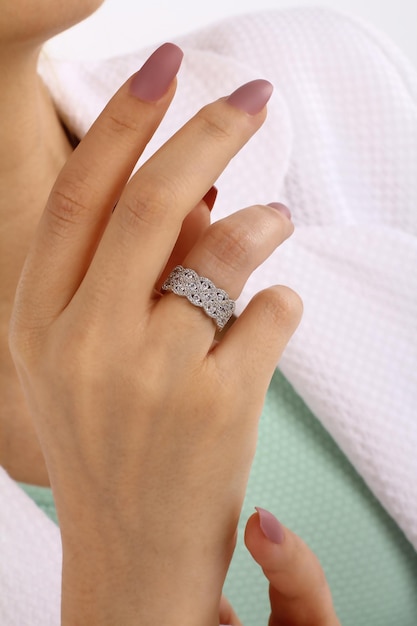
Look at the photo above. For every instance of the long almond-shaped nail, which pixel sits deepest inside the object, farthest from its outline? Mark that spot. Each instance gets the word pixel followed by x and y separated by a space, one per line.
pixel 251 97
pixel 270 526
pixel 281 208
pixel 153 79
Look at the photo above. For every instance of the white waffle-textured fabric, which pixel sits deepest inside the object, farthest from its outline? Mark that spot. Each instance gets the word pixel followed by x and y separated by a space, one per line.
pixel 339 147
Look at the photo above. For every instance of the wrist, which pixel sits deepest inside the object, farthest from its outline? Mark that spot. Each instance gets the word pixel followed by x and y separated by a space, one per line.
pixel 114 579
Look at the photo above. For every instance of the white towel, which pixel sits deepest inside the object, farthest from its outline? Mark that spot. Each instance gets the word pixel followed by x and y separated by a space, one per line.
pixel 339 146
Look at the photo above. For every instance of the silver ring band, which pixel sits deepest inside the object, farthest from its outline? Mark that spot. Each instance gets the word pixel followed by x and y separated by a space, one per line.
pixel 201 292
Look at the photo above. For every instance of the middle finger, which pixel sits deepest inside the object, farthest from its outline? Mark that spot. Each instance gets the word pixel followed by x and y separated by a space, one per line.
pixel 143 230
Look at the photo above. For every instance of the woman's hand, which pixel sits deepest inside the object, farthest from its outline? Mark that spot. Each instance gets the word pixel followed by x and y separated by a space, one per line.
pixel 148 431
pixel 298 590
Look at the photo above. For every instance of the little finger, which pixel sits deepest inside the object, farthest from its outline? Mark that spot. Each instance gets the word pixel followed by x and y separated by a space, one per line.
pixel 253 346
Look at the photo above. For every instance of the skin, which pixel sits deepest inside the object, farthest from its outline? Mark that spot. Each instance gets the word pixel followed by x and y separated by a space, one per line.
pixel 62 338
pixel 33 149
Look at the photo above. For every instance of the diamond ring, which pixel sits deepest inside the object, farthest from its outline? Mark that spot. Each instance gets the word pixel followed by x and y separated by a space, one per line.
pixel 201 292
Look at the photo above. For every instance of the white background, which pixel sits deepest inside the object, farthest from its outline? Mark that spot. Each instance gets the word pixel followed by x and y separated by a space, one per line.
pixel 125 25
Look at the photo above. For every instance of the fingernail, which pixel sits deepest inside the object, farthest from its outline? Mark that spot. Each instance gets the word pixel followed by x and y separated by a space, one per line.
pixel 281 208
pixel 151 82
pixel 210 197
pixel 252 97
pixel 270 526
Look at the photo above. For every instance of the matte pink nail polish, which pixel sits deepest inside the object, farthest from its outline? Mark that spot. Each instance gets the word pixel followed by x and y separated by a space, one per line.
pixel 152 81
pixel 270 526
pixel 281 208
pixel 252 97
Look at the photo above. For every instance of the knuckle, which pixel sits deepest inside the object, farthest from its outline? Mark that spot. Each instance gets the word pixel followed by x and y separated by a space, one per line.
pixel 79 355
pixel 147 206
pixel 283 305
pixel 230 245
pixel 214 124
pixel 121 123
pixel 67 207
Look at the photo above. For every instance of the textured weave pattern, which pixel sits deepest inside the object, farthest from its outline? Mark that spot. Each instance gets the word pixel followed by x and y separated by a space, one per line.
pixel 30 561
pixel 300 475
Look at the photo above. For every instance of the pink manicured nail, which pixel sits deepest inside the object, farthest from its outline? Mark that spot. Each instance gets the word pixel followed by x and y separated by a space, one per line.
pixel 252 97
pixel 281 208
pixel 270 526
pixel 151 82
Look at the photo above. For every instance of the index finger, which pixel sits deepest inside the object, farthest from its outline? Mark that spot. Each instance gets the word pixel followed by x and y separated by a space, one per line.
pixel 90 184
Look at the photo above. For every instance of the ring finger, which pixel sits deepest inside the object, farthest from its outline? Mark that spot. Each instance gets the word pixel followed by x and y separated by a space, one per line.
pixel 229 251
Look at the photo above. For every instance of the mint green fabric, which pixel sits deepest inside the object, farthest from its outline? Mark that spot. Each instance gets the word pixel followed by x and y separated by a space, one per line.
pixel 43 498
pixel 302 477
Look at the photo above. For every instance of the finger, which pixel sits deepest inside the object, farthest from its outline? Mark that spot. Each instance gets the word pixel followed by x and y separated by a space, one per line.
pixel 253 345
pixel 227 614
pixel 227 253
pixel 299 593
pixel 192 229
pixel 91 182
pixel 142 232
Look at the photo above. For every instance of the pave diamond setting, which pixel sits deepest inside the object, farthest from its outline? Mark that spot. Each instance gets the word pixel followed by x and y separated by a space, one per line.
pixel 201 292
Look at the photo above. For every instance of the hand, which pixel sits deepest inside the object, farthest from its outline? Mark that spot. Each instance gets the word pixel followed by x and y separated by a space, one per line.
pixel 148 431
pixel 298 590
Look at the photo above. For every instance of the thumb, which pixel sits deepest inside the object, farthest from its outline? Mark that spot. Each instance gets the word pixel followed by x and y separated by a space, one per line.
pixel 299 593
